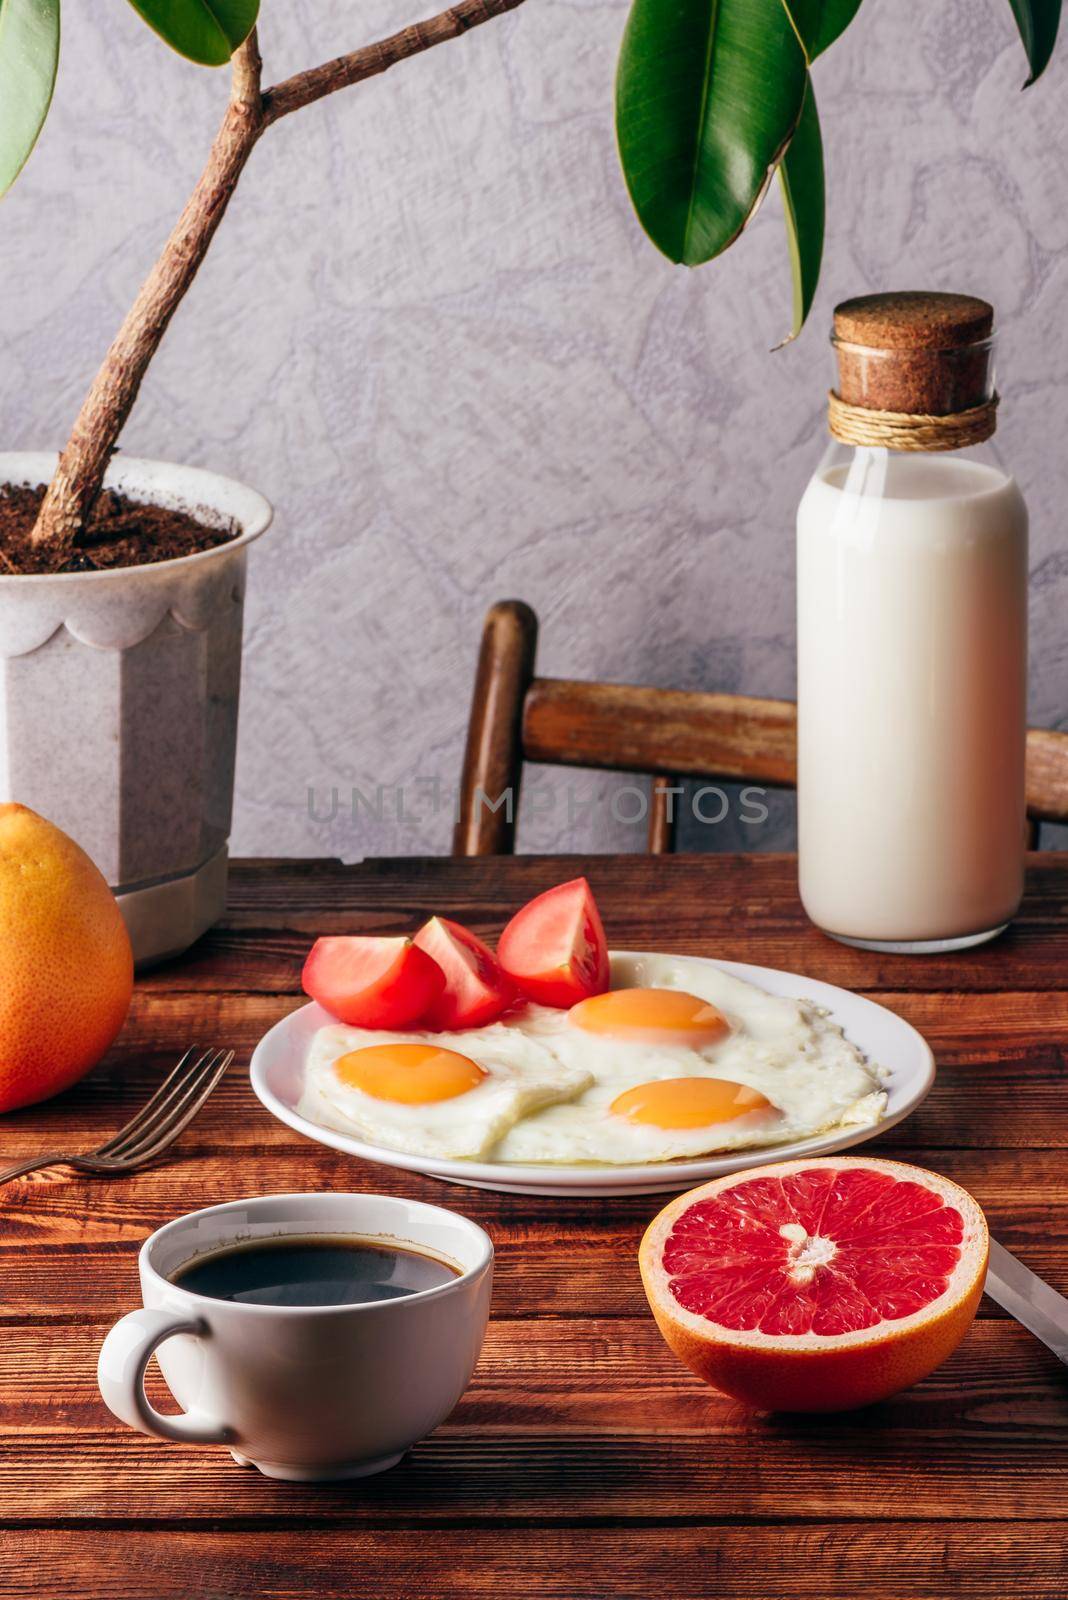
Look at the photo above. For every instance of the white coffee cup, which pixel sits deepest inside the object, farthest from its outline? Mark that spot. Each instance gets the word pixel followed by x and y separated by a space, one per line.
pixel 303 1392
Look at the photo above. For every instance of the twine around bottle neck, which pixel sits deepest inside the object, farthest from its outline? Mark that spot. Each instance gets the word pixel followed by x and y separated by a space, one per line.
pixel 907 430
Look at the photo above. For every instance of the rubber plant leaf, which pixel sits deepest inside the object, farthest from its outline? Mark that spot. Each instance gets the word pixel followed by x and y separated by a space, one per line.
pixel 29 53
pixel 801 176
pixel 205 31
pixel 708 93
pixel 818 23
pixel 1037 21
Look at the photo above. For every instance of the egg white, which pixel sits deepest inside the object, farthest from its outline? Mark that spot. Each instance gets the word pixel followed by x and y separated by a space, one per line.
pixel 522 1075
pixel 550 1085
pixel 786 1049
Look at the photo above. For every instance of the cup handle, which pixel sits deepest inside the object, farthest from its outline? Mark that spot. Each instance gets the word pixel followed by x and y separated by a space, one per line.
pixel 120 1373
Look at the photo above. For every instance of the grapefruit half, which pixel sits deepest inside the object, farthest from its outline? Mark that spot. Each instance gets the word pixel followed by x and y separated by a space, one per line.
pixel 816 1285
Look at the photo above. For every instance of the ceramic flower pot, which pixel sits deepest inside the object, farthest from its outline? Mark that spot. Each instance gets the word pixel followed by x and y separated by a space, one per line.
pixel 118 703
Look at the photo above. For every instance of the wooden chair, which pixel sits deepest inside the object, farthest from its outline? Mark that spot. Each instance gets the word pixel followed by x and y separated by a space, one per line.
pixel 517 717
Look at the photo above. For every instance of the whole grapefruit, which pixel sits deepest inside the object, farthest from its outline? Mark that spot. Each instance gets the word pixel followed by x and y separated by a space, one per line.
pixel 66 967
pixel 816 1285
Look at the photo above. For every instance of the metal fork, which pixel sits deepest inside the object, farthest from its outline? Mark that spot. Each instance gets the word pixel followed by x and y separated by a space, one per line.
pixel 157 1125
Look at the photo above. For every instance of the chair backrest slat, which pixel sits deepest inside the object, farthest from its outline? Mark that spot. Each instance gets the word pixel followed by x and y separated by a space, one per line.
pixel 631 729
pixel 1047 774
pixel 626 728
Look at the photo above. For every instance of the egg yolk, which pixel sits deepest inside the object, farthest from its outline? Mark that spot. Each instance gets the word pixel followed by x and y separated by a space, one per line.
pixel 655 1016
pixel 409 1074
pixel 688 1102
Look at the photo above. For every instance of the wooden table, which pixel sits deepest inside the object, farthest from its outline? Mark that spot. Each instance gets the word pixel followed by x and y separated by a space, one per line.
pixel 584 1461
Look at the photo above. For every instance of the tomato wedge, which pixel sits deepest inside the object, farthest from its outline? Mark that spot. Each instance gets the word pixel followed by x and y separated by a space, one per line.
pixel 476 989
pixel 372 983
pixel 554 948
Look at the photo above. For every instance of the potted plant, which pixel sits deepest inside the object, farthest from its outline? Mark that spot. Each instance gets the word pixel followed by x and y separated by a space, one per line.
pixel 121 582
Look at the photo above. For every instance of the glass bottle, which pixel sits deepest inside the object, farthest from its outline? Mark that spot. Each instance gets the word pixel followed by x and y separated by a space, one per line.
pixel 912 638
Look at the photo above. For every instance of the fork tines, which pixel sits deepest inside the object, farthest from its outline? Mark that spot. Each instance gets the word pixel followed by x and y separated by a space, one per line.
pixel 172 1107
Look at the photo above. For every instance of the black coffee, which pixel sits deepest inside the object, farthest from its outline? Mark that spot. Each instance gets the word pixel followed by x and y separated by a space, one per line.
pixel 312 1272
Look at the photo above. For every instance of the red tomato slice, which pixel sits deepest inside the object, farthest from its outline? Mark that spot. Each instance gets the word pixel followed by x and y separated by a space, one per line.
pixel 476 990
pixel 372 983
pixel 555 948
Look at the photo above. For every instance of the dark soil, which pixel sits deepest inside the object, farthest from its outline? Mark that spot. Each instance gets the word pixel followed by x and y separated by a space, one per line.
pixel 120 533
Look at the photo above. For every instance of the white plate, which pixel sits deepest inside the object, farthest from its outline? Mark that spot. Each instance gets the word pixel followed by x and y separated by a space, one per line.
pixel 277 1071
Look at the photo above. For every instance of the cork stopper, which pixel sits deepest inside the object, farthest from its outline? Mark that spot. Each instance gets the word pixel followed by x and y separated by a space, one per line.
pixel 916 352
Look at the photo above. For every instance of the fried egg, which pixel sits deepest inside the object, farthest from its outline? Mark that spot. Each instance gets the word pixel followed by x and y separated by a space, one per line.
pixel 688 1060
pixel 435 1094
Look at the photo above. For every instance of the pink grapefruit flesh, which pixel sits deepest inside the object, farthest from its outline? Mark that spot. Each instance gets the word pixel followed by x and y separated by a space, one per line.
pixel 816 1285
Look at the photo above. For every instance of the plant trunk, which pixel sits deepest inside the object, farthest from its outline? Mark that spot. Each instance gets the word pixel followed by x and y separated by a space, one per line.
pixel 82 465
pixel 80 472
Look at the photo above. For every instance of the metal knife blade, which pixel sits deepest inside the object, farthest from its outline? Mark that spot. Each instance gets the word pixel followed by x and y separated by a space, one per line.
pixel 1025 1296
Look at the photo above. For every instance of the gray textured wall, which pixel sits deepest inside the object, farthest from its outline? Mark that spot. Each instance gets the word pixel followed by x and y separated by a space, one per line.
pixel 432 333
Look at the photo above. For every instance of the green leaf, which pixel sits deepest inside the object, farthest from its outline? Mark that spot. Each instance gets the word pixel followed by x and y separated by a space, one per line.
pixel 708 93
pixel 801 176
pixel 1037 21
pixel 819 22
pixel 29 52
pixel 205 31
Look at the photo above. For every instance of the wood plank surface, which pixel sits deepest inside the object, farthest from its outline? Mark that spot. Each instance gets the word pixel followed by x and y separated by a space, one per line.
pixel 586 1421
pixel 1000 1057
pixel 567 1257
pixel 583 1461
pixel 821 1560
pixel 740 908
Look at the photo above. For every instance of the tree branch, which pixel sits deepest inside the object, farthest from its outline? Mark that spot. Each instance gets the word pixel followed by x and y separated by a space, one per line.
pixel 246 67
pixel 305 87
pixel 77 479
pixel 104 411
